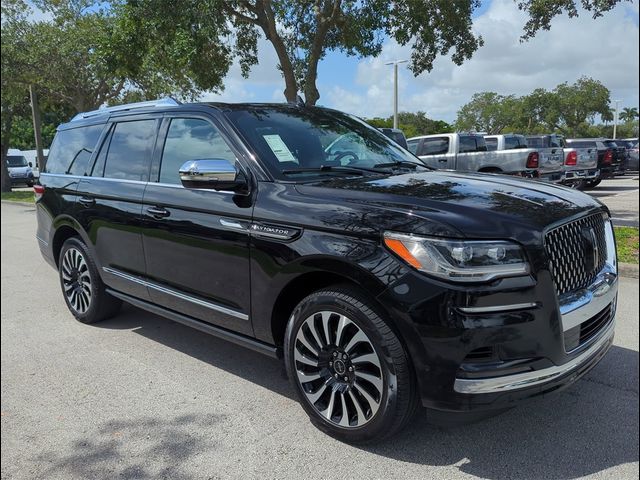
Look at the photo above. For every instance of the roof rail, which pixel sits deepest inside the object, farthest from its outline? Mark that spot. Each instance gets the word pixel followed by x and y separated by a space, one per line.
pixel 161 102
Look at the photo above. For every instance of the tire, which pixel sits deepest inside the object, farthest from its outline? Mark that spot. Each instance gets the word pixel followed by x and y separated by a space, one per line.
pixel 82 288
pixel 361 369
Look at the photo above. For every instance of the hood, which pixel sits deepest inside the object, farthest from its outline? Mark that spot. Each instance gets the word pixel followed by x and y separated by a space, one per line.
pixel 474 205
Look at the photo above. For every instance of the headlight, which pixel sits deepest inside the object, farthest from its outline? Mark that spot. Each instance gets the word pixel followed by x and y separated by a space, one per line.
pixel 459 260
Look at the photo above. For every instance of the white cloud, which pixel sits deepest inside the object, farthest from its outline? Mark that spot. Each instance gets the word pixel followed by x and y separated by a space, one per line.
pixel 605 49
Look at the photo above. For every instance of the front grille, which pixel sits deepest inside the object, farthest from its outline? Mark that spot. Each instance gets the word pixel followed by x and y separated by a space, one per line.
pixel 575 254
pixel 581 334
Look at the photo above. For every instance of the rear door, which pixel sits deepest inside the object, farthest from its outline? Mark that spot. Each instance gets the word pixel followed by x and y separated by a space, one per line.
pixel 109 201
pixel 435 152
pixel 196 241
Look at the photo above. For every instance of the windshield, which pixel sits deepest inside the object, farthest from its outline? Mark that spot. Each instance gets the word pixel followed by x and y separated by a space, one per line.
pixel 16 161
pixel 292 140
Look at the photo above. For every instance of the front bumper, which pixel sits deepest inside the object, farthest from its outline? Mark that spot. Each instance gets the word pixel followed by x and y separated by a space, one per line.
pixel 529 331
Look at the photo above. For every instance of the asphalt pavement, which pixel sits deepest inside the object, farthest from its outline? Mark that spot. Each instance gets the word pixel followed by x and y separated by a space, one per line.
pixel 620 194
pixel 142 397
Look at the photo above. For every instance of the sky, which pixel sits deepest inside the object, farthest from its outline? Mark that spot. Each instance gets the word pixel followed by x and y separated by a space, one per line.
pixel 605 49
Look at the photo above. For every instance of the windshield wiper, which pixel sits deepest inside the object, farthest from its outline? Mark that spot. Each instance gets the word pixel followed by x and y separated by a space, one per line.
pixel 401 163
pixel 330 169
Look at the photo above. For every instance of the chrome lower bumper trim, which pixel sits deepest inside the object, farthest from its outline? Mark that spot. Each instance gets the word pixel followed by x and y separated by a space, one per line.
pixel 499 308
pixel 530 379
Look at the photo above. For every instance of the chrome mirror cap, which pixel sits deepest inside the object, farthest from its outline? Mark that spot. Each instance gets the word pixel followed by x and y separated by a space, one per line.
pixel 212 173
pixel 208 170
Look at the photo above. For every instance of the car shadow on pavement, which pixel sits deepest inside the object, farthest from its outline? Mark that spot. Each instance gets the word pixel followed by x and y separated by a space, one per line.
pixel 585 429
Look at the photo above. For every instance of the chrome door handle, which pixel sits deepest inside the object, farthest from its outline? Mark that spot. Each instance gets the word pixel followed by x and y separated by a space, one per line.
pixel 442 160
pixel 158 212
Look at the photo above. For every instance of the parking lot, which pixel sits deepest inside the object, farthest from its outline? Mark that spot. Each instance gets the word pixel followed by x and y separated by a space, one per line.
pixel 139 396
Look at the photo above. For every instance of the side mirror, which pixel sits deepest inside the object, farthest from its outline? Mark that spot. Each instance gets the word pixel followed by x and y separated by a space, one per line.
pixel 31 164
pixel 212 173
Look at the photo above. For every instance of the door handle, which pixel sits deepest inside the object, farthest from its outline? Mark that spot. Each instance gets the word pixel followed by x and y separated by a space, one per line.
pixel 442 160
pixel 158 212
pixel 87 201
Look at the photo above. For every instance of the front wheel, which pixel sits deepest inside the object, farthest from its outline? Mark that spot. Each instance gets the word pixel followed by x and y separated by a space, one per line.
pixel 351 372
pixel 82 287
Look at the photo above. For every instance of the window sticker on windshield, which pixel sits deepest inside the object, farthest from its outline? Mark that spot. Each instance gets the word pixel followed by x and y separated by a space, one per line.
pixel 279 148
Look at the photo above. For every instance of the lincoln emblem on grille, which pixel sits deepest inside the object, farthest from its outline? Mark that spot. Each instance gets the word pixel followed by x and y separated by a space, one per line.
pixel 590 247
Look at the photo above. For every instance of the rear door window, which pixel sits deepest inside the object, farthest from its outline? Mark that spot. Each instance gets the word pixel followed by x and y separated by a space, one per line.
pixel 412 146
pixel 435 146
pixel 130 149
pixel 492 144
pixel 72 149
pixel 469 143
pixel 191 139
pixel 511 142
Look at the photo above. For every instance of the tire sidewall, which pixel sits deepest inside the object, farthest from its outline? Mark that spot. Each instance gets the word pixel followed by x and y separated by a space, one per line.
pixel 328 300
pixel 92 312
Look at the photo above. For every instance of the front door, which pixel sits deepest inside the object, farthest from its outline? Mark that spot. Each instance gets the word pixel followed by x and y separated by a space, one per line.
pixel 196 241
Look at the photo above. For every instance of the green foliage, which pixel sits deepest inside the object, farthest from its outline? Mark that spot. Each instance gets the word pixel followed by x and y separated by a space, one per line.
pixel 627 244
pixel 629 114
pixel 412 124
pixel 567 109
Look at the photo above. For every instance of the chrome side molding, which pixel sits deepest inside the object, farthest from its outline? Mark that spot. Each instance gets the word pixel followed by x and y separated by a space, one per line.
pixel 174 293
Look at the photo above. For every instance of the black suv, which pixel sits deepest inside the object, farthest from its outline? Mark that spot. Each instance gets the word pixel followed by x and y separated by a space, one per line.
pixel 305 234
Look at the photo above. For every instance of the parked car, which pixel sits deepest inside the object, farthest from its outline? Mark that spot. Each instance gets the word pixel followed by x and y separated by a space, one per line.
pixel 468 152
pixel 382 283
pixel 632 154
pixel 20 170
pixel 527 161
pixel 396 135
pixel 609 157
pixel 577 166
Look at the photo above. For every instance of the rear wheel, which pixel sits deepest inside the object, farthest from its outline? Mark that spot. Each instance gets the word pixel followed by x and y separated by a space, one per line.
pixel 83 290
pixel 350 370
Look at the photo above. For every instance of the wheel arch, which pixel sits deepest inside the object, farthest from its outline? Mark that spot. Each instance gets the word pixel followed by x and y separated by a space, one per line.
pixel 65 228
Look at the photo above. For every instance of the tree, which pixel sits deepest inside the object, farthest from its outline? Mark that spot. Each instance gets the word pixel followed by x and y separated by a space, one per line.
pixel 629 114
pixel 578 104
pixel 412 124
pixel 489 112
pixel 194 42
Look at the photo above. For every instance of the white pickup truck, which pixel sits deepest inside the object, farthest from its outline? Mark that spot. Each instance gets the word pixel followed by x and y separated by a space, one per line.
pixel 469 152
pixel 580 167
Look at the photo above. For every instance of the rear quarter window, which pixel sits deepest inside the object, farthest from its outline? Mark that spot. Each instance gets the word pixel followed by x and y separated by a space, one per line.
pixel 71 150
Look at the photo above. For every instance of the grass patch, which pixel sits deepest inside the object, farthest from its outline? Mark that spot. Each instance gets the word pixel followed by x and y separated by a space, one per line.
pixel 18 196
pixel 627 242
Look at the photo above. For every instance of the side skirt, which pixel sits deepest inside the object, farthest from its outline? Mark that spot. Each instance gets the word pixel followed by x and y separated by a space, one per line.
pixel 238 339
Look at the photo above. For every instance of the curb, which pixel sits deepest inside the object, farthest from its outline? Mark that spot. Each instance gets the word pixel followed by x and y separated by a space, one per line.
pixel 22 204
pixel 629 270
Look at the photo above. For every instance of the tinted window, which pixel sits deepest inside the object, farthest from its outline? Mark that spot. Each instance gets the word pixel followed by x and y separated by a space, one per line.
pixel 581 143
pixel 190 139
pixel 130 150
pixel 467 143
pixel 492 143
pixel 610 144
pixel 71 150
pixel 435 146
pixel 535 142
pixel 16 161
pixel 511 143
pixel 412 146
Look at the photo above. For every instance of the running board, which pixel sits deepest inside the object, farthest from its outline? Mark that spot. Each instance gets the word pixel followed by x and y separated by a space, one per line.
pixel 252 344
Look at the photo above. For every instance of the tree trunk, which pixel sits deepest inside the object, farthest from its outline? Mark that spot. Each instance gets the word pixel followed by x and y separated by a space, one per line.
pixel 6 131
pixel 266 20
